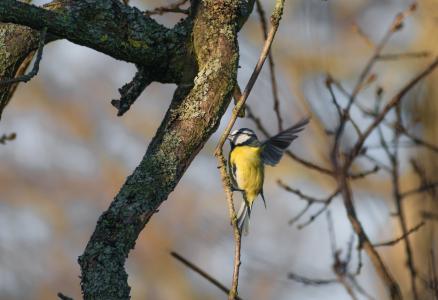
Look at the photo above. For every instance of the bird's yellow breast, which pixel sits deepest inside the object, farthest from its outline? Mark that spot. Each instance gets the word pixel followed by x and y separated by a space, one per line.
pixel 249 170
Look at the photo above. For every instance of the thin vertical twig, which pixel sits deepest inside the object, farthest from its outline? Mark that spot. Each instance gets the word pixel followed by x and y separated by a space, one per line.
pixel 364 241
pixel 394 159
pixel 275 21
pixel 396 25
pixel 274 85
pixel 342 168
pixel 389 106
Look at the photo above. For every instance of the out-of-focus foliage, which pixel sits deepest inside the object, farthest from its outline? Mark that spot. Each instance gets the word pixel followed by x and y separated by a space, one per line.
pixel 72 154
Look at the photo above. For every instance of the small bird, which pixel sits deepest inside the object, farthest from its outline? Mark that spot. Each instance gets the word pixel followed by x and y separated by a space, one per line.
pixel 246 164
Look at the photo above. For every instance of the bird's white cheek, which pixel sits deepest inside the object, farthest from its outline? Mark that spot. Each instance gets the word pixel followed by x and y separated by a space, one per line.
pixel 241 139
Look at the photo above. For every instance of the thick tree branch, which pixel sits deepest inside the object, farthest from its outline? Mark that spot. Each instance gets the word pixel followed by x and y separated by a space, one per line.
pixel 194 115
pixel 107 26
pixel 204 45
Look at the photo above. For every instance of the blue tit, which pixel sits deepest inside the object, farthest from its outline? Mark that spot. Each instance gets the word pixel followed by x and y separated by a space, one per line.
pixel 246 163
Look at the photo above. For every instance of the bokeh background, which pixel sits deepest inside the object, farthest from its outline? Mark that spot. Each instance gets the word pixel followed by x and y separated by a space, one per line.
pixel 72 154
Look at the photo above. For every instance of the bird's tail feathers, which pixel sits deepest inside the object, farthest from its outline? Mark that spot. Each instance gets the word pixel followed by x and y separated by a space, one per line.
pixel 243 218
pixel 263 197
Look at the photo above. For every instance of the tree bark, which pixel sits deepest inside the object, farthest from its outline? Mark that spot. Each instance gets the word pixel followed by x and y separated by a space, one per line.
pixel 17 44
pixel 200 54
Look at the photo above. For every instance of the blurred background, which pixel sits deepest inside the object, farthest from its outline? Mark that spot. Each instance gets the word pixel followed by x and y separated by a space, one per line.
pixel 72 154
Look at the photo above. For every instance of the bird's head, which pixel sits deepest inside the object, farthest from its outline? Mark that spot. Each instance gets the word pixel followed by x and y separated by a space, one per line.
pixel 242 136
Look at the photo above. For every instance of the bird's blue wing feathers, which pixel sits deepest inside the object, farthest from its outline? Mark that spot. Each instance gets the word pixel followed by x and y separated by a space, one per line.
pixel 232 174
pixel 274 147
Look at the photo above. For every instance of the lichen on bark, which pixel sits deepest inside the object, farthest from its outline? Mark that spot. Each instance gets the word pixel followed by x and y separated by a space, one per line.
pixel 16 44
pixel 200 54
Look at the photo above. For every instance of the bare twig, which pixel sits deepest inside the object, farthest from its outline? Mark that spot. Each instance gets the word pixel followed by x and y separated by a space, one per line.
pixel 276 99
pixel 343 161
pixel 343 279
pixel 397 56
pixel 392 103
pixel 201 272
pixel 403 130
pixel 339 267
pixel 396 25
pixel 429 215
pixel 420 189
pixel 418 140
pixel 310 281
pixel 359 259
pixel 328 84
pixel 340 111
pixel 433 276
pixel 174 8
pixel 332 236
pixel 341 167
pixel 275 21
pixel 375 258
pixel 424 180
pixel 364 240
pixel 309 199
pixel 237 94
pixel 359 289
pixel 300 214
pixel 363 80
pixel 7 138
pixel 381 165
pixel 356 28
pixel 395 241
pixel 64 297
pixel 400 209
pixel 36 65
pixel 395 170
pixel 299 160
pixel 131 91
pixel 320 211
pixel 364 174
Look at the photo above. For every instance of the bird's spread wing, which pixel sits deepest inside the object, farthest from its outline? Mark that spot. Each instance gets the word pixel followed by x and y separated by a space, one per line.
pixel 274 147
